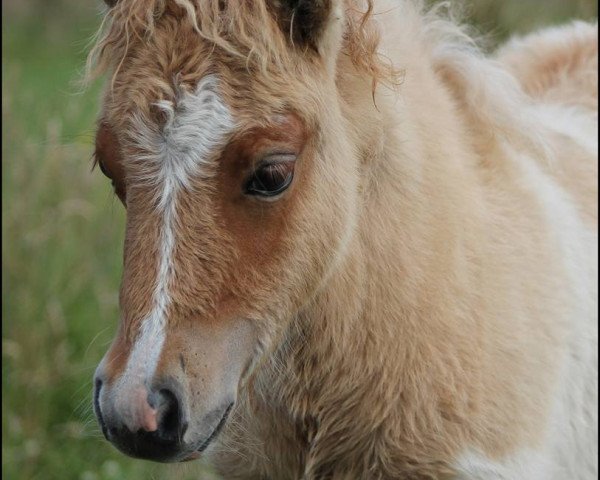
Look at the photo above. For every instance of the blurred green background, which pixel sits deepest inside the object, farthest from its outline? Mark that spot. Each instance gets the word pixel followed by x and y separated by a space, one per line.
pixel 62 230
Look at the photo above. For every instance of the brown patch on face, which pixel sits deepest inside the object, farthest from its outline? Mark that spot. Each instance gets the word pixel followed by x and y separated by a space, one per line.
pixel 117 356
pixel 141 258
pixel 257 225
pixel 109 158
pixel 285 131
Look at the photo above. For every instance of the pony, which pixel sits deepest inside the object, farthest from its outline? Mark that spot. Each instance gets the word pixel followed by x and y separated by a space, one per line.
pixel 356 246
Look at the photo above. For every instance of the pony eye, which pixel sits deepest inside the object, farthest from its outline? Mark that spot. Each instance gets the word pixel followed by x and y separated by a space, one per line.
pixel 103 170
pixel 117 186
pixel 271 177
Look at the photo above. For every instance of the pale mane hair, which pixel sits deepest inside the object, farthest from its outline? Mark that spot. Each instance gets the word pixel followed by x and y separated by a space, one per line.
pixel 247 30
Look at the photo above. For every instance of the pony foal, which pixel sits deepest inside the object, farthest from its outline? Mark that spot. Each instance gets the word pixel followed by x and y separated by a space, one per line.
pixel 336 268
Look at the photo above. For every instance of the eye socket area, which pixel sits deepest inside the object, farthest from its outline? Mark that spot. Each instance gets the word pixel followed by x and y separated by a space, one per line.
pixel 272 176
pixel 116 184
pixel 103 169
pixel 108 158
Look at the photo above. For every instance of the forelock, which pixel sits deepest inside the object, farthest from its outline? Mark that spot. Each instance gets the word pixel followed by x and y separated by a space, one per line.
pixel 242 30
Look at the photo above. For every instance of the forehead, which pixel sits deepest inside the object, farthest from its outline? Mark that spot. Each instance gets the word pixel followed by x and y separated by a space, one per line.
pixel 197 115
pixel 193 124
pixel 188 132
pixel 174 88
pixel 174 56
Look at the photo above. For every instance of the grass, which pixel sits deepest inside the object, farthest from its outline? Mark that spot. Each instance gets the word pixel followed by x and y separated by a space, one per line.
pixel 62 231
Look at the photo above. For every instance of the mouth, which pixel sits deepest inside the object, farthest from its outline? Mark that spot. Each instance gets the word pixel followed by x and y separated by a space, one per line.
pixel 192 453
pixel 204 445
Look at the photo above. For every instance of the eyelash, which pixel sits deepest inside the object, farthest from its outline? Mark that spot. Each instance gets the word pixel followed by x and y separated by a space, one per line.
pixel 119 192
pixel 271 177
pixel 104 171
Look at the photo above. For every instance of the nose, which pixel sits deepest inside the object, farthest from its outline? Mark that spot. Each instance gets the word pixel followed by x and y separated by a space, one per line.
pixel 143 423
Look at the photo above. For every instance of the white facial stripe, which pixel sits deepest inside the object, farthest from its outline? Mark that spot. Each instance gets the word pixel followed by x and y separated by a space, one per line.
pixel 195 128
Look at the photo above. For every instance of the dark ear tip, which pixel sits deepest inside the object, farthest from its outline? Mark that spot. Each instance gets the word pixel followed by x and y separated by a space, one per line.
pixel 111 3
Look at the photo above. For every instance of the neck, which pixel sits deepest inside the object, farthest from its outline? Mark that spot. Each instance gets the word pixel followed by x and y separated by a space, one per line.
pixel 392 293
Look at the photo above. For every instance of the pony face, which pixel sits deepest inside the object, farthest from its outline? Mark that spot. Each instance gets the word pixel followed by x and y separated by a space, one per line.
pixel 240 184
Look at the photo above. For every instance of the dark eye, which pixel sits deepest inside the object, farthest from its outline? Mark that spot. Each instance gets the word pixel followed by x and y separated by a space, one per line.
pixel 103 170
pixel 271 177
pixel 117 186
pixel 107 174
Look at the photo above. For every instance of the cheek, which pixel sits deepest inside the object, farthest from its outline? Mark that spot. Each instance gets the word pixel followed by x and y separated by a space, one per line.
pixel 321 232
pixel 286 247
pixel 259 235
pixel 258 229
pixel 326 213
pixel 263 236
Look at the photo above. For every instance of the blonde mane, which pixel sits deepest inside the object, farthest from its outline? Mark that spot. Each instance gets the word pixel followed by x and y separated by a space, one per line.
pixel 246 30
pixel 249 31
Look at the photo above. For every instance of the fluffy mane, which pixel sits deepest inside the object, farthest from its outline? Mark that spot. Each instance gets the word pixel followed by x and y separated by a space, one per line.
pixel 252 33
pixel 247 30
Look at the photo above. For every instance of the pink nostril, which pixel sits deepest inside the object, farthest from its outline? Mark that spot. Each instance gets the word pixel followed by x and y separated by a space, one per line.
pixel 146 414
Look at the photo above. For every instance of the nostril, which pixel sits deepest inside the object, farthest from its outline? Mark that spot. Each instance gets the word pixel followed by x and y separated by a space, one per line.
pixel 168 414
pixel 97 388
pixel 140 422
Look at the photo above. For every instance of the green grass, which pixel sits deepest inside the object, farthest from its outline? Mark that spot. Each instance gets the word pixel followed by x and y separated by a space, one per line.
pixel 502 18
pixel 62 231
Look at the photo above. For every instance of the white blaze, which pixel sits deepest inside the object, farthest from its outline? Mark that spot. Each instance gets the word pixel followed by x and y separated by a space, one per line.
pixel 195 128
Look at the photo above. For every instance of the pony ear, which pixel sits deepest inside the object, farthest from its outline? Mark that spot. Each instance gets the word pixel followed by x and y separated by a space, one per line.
pixel 111 3
pixel 306 22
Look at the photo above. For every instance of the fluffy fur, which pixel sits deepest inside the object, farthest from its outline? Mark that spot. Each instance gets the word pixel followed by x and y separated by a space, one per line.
pixel 424 299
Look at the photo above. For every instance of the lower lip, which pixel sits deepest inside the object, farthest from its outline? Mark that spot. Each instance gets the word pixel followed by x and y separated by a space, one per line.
pixel 198 453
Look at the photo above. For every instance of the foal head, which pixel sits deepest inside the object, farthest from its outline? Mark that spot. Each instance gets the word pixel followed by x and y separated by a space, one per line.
pixel 223 135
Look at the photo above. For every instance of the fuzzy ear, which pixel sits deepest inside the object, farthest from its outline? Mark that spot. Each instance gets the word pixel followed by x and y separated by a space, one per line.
pixel 111 3
pixel 306 22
